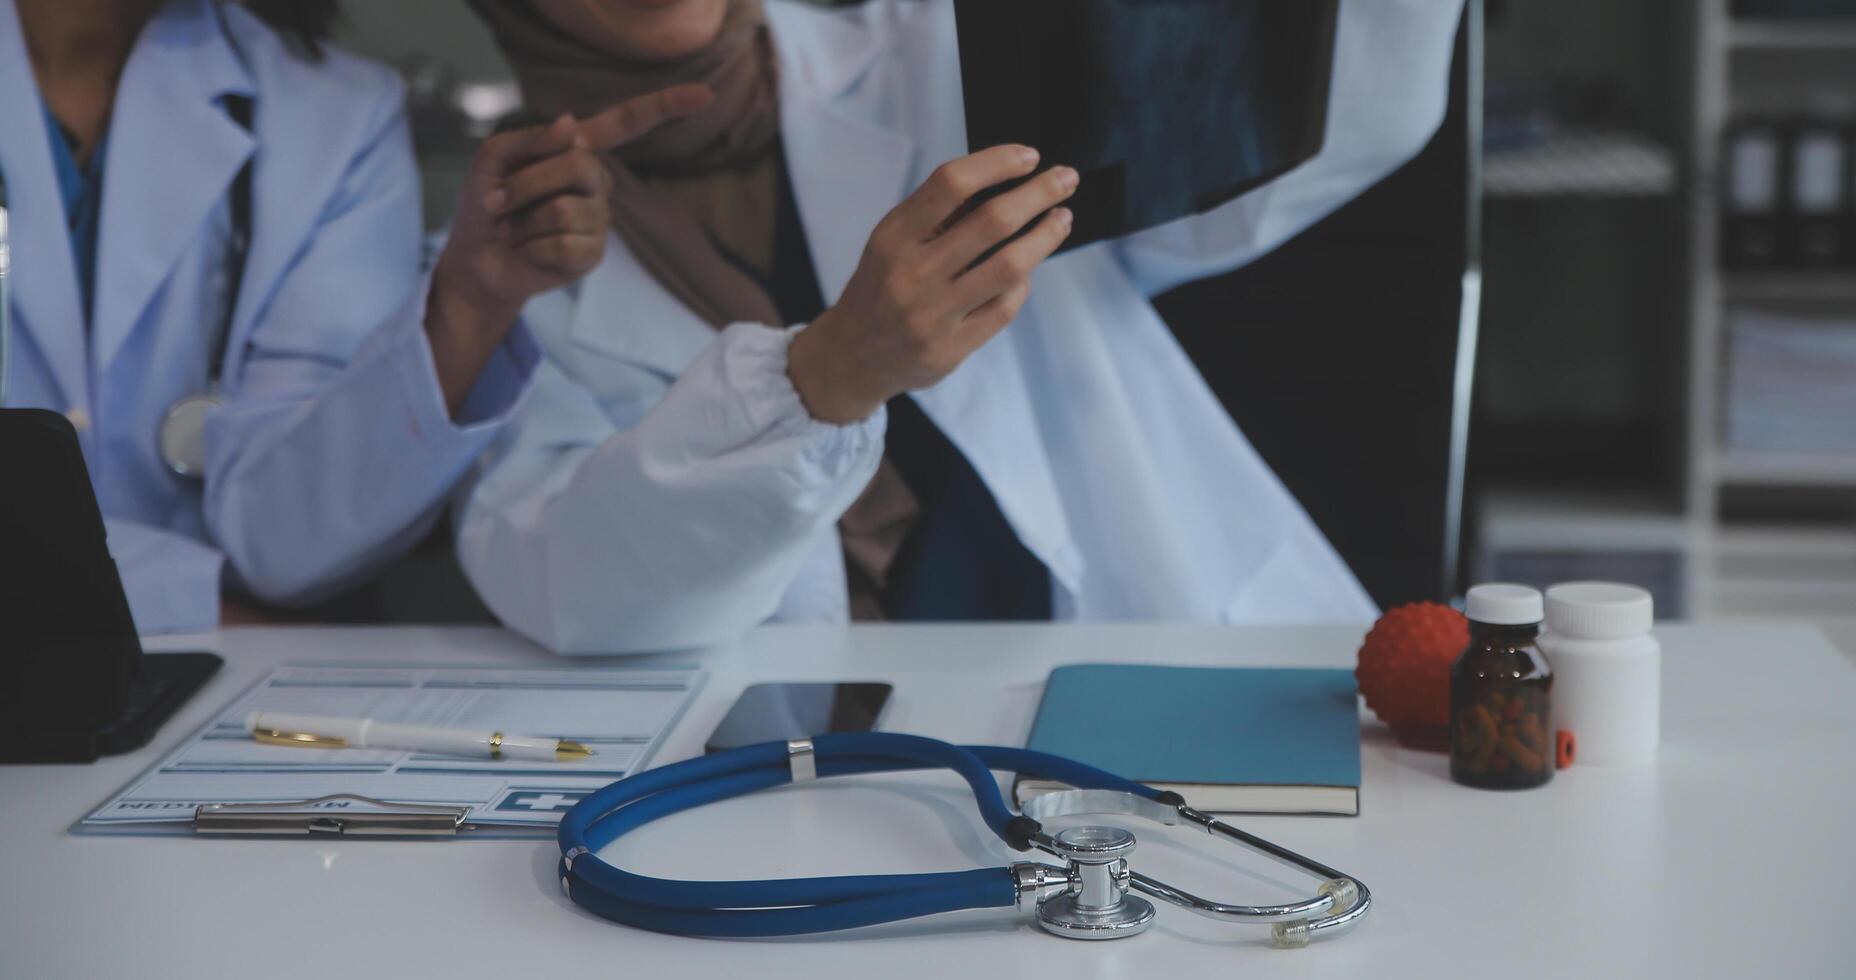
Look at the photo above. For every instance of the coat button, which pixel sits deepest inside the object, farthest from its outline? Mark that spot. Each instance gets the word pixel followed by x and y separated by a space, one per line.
pixel 80 419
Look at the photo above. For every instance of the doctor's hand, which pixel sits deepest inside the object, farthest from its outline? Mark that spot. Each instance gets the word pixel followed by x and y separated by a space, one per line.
pixel 939 277
pixel 532 217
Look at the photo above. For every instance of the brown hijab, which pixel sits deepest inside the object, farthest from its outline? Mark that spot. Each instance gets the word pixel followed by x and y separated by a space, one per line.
pixel 693 187
pixel 706 179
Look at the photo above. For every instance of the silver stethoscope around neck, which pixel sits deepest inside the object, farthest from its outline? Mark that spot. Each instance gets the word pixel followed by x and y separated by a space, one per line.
pixel 180 437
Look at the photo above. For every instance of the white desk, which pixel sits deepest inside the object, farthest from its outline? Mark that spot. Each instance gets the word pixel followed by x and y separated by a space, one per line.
pixel 1731 857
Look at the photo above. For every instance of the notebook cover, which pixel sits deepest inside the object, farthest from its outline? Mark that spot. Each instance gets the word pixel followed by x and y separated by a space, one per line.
pixel 1205 725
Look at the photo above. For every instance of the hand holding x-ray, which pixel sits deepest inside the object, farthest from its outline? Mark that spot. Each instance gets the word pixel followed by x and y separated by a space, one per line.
pixel 941 275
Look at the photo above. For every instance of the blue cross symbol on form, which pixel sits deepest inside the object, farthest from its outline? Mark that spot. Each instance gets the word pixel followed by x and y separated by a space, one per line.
pixel 546 801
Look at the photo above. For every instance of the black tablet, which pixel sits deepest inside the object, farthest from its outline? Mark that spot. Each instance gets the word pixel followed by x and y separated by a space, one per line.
pixel 74 683
pixel 1166 107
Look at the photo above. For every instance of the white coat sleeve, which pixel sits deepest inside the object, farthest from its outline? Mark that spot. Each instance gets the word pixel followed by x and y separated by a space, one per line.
pixel 681 530
pixel 335 451
pixel 1390 87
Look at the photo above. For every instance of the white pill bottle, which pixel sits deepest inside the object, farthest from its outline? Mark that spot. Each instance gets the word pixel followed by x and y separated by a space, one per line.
pixel 1607 671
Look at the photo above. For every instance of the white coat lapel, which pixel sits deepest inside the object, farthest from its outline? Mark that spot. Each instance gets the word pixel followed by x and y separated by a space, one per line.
pixel 847 172
pixel 46 296
pixel 173 153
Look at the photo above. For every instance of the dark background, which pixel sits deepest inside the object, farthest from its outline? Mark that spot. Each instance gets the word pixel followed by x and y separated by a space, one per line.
pixel 1336 354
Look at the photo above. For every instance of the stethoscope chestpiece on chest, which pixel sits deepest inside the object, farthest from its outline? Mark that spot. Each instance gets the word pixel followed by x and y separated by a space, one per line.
pixel 181 439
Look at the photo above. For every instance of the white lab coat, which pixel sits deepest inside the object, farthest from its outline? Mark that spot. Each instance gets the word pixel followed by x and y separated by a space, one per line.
pixel 665 488
pixel 335 449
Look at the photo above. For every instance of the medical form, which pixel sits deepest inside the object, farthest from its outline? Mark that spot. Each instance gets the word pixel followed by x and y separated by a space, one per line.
pixel 622 713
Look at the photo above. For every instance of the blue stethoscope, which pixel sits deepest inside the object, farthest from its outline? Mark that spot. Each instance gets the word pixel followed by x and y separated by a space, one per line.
pixel 1086 898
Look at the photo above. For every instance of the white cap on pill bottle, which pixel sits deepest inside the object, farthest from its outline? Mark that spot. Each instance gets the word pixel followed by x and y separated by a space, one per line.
pixel 1599 610
pixel 1501 604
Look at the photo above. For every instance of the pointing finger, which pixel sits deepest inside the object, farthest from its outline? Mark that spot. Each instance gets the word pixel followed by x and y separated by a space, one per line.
pixel 633 118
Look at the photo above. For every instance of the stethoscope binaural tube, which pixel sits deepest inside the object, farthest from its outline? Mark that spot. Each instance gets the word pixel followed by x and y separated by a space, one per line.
pixel 180 436
pixel 728 909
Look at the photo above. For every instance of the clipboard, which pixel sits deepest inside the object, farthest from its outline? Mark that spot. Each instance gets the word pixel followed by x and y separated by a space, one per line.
pixel 220 782
pixel 338 815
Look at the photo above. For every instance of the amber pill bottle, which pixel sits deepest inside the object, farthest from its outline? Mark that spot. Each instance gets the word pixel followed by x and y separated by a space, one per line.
pixel 1501 713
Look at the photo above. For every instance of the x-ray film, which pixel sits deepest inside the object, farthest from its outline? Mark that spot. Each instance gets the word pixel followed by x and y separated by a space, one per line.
pixel 1166 107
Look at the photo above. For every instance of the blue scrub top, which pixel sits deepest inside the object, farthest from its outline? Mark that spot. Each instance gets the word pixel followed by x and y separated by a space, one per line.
pixel 82 192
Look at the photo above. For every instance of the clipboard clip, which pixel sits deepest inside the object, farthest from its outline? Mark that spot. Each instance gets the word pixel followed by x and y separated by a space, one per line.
pixel 340 815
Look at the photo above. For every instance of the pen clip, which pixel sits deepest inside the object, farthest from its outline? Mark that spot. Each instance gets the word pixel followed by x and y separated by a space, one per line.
pixel 341 814
pixel 299 740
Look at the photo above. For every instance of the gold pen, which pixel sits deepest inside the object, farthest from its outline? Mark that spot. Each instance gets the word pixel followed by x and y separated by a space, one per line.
pixel 323 732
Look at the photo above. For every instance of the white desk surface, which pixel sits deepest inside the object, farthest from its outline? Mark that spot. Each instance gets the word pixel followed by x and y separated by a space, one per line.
pixel 1732 856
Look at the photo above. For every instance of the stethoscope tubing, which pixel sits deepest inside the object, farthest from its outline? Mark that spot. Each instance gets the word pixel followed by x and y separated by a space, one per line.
pixel 760 923
pixel 801 905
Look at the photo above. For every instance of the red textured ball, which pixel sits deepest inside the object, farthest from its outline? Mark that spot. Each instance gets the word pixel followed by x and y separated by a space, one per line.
pixel 1404 670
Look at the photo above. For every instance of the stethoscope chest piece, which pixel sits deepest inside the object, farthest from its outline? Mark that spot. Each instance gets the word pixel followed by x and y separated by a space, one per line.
pixel 1098 906
pixel 182 437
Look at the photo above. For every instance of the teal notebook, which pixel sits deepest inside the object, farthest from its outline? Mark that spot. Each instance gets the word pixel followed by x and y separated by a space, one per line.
pixel 1228 739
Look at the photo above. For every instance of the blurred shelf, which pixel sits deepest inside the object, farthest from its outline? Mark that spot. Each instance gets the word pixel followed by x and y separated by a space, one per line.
pixel 1767 287
pixel 1516 519
pixel 1806 554
pixel 1539 537
pixel 1797 571
pixel 1781 599
pixel 1785 469
pixel 1792 35
pixel 1595 163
